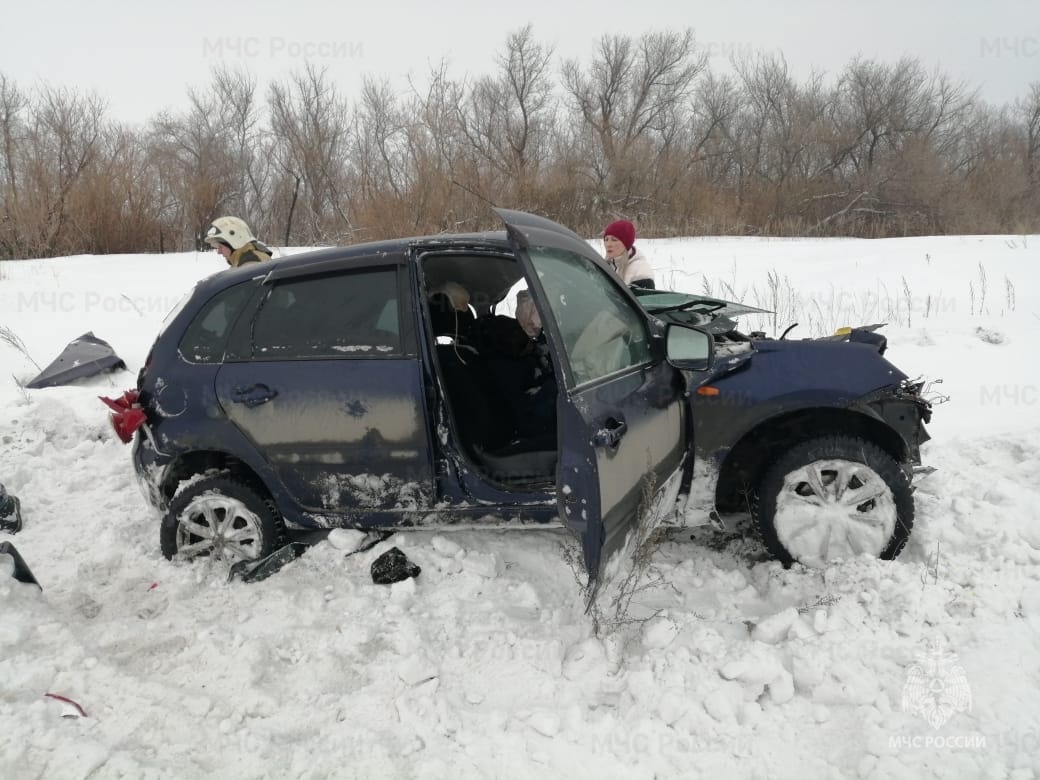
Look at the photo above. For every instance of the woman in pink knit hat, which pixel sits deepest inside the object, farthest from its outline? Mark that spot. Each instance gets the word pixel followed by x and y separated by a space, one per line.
pixel 619 239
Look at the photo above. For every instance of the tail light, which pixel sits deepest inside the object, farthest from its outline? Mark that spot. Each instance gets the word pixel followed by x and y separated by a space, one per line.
pixel 127 415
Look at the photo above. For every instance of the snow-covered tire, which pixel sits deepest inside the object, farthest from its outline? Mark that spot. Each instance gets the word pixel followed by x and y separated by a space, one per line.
pixel 834 497
pixel 221 518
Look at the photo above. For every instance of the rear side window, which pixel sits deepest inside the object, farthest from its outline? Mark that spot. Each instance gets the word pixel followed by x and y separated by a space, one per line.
pixel 205 339
pixel 343 315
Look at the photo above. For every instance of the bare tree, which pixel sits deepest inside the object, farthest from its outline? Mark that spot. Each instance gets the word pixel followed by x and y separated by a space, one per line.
pixel 380 136
pixel 62 140
pixel 1029 109
pixel 507 117
pixel 12 136
pixel 643 130
pixel 632 97
pixel 309 123
pixel 235 91
pixel 441 158
pixel 201 152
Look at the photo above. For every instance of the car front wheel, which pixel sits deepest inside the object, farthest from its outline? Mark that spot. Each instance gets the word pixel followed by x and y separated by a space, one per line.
pixel 220 518
pixel 834 497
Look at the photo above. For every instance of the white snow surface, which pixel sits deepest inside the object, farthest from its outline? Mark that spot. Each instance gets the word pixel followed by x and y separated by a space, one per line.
pixel 487 665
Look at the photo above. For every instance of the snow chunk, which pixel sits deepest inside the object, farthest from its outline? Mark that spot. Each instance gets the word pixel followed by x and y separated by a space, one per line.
pixel 488 565
pixel 759 672
pixel 403 590
pixel 672 706
pixel 808 672
pixel 445 547
pixel 1030 602
pixel 198 706
pixel 346 539
pixel 990 336
pixel 781 687
pixel 11 632
pixel 659 633
pixel 416 671
pixel 585 657
pixel 775 627
pixel 721 705
pixel 848 683
pixel 545 723
pixel 820 621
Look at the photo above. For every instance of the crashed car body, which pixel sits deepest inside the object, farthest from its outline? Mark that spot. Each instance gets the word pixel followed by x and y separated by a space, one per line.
pixel 328 390
pixel 817 439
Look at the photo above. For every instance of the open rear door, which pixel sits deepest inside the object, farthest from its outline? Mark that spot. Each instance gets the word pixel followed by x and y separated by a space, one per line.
pixel 622 430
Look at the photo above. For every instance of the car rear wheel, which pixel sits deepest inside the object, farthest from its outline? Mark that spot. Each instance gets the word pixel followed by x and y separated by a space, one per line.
pixel 222 519
pixel 834 497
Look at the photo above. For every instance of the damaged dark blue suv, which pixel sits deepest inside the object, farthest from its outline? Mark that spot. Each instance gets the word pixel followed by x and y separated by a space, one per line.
pixel 357 387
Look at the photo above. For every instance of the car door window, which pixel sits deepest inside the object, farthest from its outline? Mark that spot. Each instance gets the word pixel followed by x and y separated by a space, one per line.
pixel 344 315
pixel 204 340
pixel 602 332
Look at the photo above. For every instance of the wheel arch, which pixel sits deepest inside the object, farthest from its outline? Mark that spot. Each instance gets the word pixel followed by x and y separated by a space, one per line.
pixel 190 464
pixel 747 461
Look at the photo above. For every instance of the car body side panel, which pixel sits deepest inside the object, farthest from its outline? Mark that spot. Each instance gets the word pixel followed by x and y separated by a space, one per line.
pixel 785 376
pixel 340 434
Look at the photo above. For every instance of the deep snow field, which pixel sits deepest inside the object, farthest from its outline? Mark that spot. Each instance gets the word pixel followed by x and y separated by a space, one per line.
pixel 486 665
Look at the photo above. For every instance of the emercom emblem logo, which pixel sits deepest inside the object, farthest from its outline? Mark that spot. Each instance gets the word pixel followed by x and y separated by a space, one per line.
pixel 935 687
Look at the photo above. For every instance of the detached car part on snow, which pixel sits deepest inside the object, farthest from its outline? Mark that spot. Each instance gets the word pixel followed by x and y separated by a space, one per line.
pixel 346 388
pixel 10 512
pixel 82 357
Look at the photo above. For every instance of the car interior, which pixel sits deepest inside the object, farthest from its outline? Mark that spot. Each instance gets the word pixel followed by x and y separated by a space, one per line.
pixel 497 381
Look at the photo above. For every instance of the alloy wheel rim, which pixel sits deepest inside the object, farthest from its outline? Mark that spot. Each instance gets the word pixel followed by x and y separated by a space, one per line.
pixel 219 527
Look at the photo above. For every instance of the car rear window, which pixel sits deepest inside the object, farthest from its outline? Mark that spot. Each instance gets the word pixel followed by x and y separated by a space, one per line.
pixel 205 339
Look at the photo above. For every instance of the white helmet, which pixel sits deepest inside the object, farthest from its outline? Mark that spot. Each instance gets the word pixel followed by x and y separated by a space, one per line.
pixel 229 230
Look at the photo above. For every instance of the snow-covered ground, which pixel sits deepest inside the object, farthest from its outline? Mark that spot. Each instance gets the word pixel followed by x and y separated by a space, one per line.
pixel 486 664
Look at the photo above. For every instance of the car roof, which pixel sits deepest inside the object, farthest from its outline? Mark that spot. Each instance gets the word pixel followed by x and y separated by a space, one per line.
pixel 488 280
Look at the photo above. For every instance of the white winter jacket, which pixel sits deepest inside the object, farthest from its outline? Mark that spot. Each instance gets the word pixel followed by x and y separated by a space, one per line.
pixel 632 268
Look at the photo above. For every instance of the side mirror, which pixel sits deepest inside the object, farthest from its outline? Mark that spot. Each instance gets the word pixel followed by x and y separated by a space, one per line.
pixel 689 349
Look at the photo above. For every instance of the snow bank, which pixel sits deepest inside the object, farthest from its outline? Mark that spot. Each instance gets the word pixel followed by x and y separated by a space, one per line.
pixel 486 665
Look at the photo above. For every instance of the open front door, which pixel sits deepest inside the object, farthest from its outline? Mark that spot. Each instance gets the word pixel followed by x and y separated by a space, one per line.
pixel 622 430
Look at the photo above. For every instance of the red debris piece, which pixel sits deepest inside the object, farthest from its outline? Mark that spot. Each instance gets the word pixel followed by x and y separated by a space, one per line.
pixel 127 417
pixel 68 701
pixel 121 404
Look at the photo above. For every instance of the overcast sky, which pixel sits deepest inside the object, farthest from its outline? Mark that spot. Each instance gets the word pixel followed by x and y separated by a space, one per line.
pixel 142 57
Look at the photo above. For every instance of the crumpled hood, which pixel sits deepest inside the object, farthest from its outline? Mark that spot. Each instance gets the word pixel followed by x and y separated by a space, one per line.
pixel 786 367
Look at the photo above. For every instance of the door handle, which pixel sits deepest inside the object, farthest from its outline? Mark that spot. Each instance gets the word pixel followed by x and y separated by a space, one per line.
pixel 610 434
pixel 253 395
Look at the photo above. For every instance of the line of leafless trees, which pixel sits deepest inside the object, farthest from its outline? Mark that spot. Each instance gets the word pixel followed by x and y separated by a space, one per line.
pixel 644 130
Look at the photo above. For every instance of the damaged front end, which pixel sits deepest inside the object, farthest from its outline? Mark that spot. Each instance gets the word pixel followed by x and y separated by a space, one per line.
pixel 738 438
pixel 905 410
